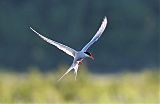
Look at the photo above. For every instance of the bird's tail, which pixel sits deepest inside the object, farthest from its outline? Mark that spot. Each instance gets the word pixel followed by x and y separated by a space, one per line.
pixel 76 70
pixel 73 66
pixel 65 73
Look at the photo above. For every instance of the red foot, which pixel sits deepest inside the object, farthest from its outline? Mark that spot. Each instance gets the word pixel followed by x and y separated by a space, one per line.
pixel 80 62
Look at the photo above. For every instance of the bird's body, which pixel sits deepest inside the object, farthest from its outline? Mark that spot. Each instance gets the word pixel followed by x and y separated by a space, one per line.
pixel 78 56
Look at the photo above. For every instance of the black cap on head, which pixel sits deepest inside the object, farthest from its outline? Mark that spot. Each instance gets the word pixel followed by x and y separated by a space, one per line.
pixel 88 53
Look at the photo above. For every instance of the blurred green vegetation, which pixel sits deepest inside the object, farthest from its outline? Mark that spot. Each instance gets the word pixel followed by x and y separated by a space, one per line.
pixel 120 88
pixel 130 40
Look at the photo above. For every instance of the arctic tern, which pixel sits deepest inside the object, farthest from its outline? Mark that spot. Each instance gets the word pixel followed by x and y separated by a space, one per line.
pixel 77 55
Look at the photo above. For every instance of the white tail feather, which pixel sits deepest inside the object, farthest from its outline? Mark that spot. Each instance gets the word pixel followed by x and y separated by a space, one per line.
pixel 73 66
pixel 76 70
pixel 66 73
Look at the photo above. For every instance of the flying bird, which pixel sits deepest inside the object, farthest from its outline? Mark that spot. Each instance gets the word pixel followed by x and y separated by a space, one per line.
pixel 77 55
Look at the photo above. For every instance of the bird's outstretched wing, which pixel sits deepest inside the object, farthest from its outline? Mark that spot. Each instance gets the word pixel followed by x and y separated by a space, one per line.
pixel 62 47
pixel 97 35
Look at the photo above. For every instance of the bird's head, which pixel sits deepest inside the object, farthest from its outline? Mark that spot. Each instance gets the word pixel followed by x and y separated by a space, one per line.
pixel 88 54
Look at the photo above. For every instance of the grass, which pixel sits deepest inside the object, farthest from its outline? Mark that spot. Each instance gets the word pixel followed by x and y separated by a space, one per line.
pixel 122 88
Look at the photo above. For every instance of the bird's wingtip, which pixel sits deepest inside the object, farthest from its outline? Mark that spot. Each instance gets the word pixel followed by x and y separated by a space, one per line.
pixel 30 27
pixel 105 18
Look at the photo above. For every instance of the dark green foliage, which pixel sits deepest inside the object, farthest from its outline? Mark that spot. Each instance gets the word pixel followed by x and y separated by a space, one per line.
pixel 130 40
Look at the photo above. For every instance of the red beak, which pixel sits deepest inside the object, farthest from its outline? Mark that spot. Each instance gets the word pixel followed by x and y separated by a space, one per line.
pixel 91 57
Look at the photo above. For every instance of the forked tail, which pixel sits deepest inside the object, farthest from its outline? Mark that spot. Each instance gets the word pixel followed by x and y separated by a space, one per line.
pixel 73 66
pixel 65 73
